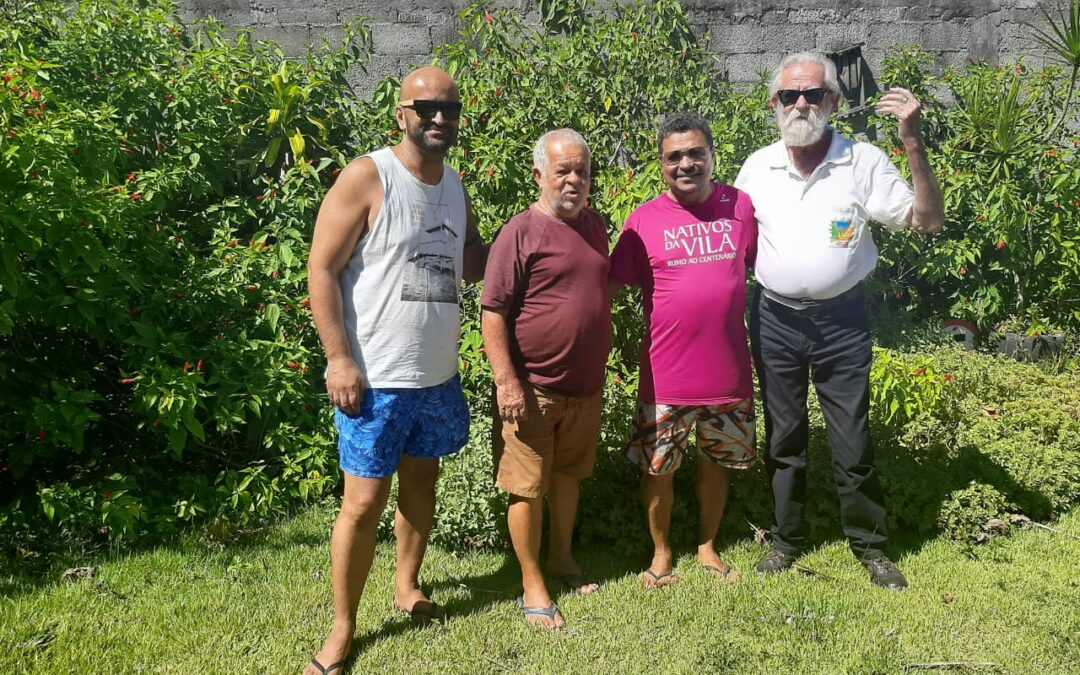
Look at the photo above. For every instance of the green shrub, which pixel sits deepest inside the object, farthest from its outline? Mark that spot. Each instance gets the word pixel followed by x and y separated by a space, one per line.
pixel 1006 157
pixel 966 512
pixel 153 302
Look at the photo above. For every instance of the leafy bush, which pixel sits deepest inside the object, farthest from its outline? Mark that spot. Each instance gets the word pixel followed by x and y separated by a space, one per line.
pixel 159 190
pixel 1006 157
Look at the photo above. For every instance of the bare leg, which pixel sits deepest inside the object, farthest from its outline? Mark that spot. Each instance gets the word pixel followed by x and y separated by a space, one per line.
pixel 563 500
pixel 412 525
pixel 352 548
pixel 658 495
pixel 525 518
pixel 712 493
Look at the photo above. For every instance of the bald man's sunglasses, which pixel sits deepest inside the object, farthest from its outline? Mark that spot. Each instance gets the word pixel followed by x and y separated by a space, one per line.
pixel 451 110
pixel 791 96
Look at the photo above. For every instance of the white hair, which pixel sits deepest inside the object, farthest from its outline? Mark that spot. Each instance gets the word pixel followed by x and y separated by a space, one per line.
pixel 812 58
pixel 540 154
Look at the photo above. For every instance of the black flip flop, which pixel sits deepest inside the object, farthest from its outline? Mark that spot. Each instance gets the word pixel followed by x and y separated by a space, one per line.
pixel 326 670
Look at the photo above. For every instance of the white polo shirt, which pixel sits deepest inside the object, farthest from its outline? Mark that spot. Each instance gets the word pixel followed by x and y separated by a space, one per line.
pixel 813 235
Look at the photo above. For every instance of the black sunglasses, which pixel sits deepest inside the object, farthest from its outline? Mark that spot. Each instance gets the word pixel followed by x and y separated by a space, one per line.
pixel 451 110
pixel 791 96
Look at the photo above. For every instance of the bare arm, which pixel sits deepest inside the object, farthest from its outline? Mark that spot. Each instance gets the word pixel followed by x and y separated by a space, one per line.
pixel 509 390
pixel 476 251
pixel 343 220
pixel 928 212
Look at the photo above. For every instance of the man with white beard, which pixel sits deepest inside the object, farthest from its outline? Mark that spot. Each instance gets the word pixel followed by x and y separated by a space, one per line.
pixel 815 192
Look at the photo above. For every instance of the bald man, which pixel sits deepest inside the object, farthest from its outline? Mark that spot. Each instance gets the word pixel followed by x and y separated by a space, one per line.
pixel 392 241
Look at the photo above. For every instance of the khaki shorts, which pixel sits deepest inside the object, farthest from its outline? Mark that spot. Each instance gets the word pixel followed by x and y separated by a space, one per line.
pixel 559 434
pixel 725 435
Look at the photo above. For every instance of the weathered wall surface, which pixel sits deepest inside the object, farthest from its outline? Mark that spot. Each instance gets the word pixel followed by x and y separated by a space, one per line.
pixel 749 35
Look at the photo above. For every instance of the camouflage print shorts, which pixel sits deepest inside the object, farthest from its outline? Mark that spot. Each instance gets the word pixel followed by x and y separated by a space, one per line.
pixel 725 435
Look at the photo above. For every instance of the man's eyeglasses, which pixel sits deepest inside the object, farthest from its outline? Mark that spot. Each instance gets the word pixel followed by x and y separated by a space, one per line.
pixel 791 96
pixel 451 110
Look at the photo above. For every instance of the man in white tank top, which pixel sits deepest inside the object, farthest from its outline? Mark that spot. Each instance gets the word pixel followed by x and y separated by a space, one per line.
pixel 393 239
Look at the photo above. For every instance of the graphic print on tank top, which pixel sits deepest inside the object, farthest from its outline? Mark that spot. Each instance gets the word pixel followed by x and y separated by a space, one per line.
pixel 430 274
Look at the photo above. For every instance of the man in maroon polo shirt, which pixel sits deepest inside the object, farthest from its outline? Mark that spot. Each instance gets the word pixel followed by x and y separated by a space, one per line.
pixel 547 332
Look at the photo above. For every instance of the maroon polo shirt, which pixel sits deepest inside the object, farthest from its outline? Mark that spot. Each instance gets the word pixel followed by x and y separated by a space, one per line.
pixel 549 279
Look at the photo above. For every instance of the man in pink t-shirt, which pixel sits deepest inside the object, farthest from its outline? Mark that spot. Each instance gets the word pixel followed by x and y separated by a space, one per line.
pixel 688 250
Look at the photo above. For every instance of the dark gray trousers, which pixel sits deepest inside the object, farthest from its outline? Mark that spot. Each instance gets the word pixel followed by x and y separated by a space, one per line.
pixel 831 347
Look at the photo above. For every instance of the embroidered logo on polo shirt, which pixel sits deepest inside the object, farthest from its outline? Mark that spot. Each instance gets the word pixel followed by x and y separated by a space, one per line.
pixel 842 231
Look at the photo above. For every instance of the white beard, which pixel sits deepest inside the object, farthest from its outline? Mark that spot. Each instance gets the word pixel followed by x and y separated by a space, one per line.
pixel 798 131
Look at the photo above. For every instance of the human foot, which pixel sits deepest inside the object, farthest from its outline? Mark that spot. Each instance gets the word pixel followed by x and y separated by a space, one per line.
pixel 542 616
pixel 653 580
pixel 335 651
pixel 420 609
pixel 570 574
pixel 715 566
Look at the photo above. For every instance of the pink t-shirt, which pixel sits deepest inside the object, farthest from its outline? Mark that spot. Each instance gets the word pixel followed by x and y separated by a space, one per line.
pixel 691 265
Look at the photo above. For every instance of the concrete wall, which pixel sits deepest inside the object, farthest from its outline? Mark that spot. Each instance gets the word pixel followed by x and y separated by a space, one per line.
pixel 750 35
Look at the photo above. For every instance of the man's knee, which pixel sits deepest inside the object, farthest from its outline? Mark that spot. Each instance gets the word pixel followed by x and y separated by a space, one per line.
pixel 364 502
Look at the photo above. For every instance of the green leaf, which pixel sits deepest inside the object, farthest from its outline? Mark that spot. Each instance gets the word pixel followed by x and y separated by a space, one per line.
pixel 296 142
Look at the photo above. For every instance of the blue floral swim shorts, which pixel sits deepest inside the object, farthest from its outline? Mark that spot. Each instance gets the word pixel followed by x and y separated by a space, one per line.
pixel 426 423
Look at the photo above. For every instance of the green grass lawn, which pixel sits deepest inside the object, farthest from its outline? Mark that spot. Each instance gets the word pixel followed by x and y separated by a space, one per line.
pixel 265 607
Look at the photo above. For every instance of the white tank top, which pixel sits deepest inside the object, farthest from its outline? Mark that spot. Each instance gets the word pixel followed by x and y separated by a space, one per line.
pixel 400 288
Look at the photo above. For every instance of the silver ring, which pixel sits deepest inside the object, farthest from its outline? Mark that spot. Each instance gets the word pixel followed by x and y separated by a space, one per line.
pixel 903 99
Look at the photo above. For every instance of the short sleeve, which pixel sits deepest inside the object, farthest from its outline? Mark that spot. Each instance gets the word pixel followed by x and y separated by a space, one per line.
pixel 742 178
pixel 505 274
pixel 748 216
pixel 889 196
pixel 629 257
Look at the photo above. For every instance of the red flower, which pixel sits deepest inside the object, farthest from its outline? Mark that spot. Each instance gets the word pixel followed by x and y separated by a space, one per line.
pixel 35 94
pixel 187 367
pixel 1001 245
pixel 950 378
pixel 108 495
pixel 335 171
pixel 136 197
pixel 897 295
pixel 491 172
pixel 127 381
pixel 488 17
pixel 259 198
pixel 920 372
pixel 157 423
pixel 226 100
pixel 169 98
pixel 132 176
pixel 234 243
pixel 963 271
pixel 178 295
pixel 253 288
pixel 12 133
pixel 41 435
pixel 635 35
pixel 275 275
pixel 305 303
